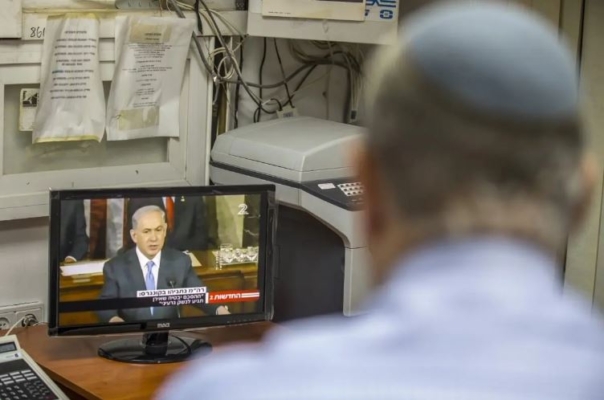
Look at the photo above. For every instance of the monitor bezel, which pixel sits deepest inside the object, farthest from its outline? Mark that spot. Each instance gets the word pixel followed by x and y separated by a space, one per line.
pixel 268 220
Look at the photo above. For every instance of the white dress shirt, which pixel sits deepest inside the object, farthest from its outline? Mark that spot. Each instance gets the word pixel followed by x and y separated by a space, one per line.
pixel 473 320
pixel 143 260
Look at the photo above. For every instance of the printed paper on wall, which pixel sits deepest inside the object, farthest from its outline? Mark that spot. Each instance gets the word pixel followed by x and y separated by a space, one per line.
pixel 71 100
pixel 151 53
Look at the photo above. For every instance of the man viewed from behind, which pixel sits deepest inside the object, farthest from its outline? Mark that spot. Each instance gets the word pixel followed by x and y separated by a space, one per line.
pixel 475 171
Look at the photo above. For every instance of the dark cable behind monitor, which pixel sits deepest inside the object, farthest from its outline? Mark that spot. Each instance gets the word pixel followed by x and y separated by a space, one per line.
pixel 258 113
pixel 247 85
pixel 289 96
pixel 238 89
pixel 217 79
pixel 199 25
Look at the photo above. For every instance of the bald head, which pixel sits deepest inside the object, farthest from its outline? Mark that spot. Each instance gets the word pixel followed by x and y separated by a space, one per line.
pixel 475 126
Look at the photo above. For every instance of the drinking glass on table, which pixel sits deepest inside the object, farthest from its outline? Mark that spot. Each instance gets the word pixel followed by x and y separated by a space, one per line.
pixel 225 255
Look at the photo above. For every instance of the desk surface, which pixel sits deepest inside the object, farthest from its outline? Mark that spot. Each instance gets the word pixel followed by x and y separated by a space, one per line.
pixel 74 364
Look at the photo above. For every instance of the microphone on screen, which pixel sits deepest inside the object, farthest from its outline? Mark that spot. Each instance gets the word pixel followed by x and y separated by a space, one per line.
pixel 172 284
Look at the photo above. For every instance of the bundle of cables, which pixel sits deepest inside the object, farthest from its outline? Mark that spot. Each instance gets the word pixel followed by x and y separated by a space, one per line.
pixel 228 69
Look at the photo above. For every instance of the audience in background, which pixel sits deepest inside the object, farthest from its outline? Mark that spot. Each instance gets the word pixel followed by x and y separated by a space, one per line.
pixel 74 240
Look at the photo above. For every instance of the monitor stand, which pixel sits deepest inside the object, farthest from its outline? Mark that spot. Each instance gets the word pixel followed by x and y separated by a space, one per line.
pixel 154 348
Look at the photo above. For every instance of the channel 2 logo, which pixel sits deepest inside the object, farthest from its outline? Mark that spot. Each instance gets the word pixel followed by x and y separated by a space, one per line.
pixel 387 8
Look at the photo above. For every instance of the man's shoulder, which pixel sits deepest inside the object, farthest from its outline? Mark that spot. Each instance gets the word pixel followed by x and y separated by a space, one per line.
pixel 282 350
pixel 123 258
pixel 367 346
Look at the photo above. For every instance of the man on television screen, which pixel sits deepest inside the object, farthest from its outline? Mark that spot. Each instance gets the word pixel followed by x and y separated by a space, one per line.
pixel 190 227
pixel 148 266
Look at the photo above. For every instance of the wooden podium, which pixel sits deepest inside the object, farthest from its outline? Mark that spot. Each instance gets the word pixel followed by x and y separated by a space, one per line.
pixel 73 363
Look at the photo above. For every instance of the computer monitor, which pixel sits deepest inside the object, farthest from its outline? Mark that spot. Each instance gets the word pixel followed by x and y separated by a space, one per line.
pixel 159 259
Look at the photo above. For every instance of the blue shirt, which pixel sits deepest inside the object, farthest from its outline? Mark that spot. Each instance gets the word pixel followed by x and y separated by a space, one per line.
pixel 474 320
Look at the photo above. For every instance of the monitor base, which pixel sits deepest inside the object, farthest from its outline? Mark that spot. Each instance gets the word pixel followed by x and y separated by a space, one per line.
pixel 153 348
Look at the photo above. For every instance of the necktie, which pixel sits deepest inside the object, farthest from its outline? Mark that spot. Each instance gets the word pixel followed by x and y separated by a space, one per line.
pixel 149 280
pixel 170 213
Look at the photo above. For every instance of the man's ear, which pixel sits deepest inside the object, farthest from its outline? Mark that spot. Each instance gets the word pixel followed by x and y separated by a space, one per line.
pixel 366 170
pixel 589 176
pixel 133 235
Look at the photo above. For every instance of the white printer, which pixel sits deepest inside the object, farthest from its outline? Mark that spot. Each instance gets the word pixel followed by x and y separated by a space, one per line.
pixel 322 264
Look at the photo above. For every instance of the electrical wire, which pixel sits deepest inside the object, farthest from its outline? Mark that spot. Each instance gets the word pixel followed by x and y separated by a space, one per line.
pixel 349 56
pixel 300 86
pixel 198 15
pixel 14 326
pixel 203 14
pixel 258 112
pixel 289 96
pixel 229 67
pixel 215 77
pixel 229 54
pixel 328 82
pixel 237 89
pixel 251 84
pixel 195 39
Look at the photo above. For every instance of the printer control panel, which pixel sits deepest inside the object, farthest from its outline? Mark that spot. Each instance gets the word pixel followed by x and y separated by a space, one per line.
pixel 351 189
pixel 344 193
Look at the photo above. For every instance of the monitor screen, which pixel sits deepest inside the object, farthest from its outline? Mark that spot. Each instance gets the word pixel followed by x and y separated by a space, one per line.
pixel 151 259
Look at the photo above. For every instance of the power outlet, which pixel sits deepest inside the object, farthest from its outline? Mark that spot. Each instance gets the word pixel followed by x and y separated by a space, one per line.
pixel 13 313
pixel 5 321
pixel 36 312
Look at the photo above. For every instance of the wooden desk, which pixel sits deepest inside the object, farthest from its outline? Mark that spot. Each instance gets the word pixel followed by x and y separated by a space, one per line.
pixel 234 277
pixel 74 365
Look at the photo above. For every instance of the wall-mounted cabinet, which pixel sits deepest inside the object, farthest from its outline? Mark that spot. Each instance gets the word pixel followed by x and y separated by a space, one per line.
pixel 28 170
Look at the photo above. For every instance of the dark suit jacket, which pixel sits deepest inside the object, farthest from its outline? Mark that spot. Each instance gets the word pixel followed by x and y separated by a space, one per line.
pixel 193 229
pixel 123 277
pixel 74 241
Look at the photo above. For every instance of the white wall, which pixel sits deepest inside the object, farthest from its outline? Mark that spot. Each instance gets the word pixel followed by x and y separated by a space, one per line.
pixel 24 243
pixel 23 261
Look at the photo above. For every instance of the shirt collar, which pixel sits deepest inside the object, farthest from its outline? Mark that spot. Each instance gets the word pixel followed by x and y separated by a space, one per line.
pixel 494 270
pixel 143 260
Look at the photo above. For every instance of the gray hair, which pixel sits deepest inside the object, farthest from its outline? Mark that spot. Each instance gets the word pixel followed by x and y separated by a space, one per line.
pixel 453 169
pixel 145 210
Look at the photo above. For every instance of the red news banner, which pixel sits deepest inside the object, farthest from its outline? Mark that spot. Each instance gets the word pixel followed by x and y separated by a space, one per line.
pixel 196 295
pixel 233 296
